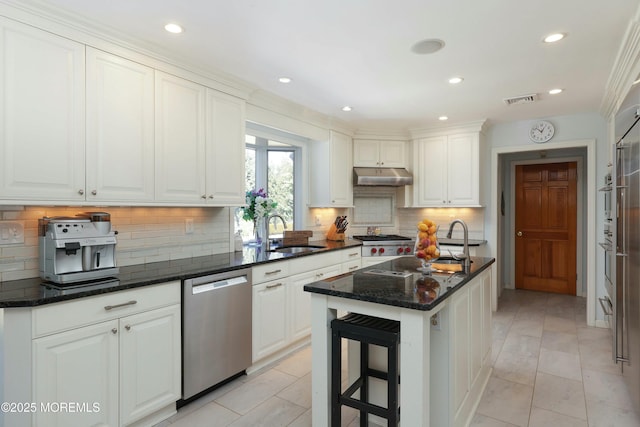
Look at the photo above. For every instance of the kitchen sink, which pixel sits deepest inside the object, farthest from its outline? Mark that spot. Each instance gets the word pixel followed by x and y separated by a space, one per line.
pixel 297 249
pixel 447 260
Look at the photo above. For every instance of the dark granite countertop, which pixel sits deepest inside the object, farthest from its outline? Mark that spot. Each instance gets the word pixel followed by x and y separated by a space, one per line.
pixel 399 283
pixel 460 242
pixel 32 292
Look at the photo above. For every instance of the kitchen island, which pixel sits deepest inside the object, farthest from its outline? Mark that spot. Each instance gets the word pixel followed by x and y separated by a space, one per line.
pixel 445 336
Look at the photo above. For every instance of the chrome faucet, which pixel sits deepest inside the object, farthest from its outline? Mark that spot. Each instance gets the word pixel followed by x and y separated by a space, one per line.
pixel 268 244
pixel 466 259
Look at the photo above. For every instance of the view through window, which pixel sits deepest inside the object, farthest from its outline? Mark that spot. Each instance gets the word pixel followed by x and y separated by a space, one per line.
pixel 270 165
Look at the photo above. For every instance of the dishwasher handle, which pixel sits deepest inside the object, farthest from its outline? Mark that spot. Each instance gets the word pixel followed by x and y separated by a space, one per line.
pixel 212 286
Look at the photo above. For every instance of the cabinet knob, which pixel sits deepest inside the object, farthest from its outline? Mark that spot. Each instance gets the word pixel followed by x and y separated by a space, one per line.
pixel 519 234
pixel 114 331
pixel 81 191
pixel 94 192
pixel 204 196
pixel 211 196
pixel 381 163
pixel 128 327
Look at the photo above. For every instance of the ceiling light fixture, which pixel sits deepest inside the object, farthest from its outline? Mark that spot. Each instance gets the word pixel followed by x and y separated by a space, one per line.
pixel 284 80
pixel 346 108
pixel 555 91
pixel 552 38
pixel 443 118
pixel 455 80
pixel 427 46
pixel 173 28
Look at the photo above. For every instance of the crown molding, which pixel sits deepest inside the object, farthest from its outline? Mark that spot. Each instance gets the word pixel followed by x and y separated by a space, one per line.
pixel 625 71
pixel 448 129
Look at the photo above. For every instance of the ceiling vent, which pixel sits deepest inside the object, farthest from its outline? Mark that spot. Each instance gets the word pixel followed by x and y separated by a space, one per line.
pixel 523 99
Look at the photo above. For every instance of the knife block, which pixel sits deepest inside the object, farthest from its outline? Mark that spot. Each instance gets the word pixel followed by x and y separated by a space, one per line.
pixel 333 234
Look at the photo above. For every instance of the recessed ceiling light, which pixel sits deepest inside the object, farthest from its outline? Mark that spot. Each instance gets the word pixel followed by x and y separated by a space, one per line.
pixel 455 80
pixel 346 108
pixel 443 118
pixel 427 46
pixel 552 38
pixel 284 80
pixel 555 91
pixel 173 28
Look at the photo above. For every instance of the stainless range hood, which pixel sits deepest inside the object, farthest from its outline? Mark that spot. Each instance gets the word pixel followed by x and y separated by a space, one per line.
pixel 393 177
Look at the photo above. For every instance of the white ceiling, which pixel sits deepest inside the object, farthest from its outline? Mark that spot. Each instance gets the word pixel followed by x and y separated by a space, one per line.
pixel 358 52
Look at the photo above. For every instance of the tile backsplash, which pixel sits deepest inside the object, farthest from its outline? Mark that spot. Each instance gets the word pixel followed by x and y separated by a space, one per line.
pixel 145 234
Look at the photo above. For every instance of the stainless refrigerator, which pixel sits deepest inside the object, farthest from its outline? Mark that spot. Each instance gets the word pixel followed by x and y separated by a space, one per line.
pixel 627 254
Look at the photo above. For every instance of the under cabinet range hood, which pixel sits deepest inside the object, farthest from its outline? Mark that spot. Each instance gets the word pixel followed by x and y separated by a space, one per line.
pixel 392 177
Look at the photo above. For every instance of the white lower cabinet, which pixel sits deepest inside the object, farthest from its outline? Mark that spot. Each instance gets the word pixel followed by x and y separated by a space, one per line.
pixel 81 366
pixel 108 360
pixel 269 318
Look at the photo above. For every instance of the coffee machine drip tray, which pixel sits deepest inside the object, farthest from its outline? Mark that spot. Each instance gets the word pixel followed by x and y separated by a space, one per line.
pixel 52 289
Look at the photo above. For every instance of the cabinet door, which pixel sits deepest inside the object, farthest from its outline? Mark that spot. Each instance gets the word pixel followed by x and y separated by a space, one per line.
pixel 431 167
pixel 463 176
pixel 179 140
pixel 460 351
pixel 487 312
pixel 269 321
pixel 366 153
pixel 119 129
pixel 80 365
pixel 41 115
pixel 150 366
pixel 225 150
pixel 341 167
pixel 300 301
pixel 475 326
pixel 392 154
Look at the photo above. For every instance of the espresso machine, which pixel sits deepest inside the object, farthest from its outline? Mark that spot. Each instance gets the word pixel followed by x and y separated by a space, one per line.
pixel 77 249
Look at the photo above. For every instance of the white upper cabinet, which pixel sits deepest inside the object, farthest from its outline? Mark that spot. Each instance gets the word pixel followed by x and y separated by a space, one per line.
pixel 374 153
pixel 447 171
pixel 120 139
pixel 331 172
pixel 179 140
pixel 225 150
pixel 42 132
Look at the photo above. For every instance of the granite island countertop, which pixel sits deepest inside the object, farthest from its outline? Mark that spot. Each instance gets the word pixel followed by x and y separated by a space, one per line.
pixel 399 283
pixel 33 292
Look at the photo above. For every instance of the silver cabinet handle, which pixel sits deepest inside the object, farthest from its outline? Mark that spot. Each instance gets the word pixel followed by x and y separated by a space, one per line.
pixel 94 192
pixel 269 273
pixel 114 331
pixel 354 254
pixel 274 286
pixel 128 327
pixel 111 307
pixel 319 275
pixel 355 267
pixel 81 191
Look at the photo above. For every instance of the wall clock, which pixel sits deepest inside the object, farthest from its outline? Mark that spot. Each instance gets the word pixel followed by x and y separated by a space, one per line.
pixel 541 131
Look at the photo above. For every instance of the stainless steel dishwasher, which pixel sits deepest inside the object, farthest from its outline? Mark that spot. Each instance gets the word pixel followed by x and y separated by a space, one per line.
pixel 216 329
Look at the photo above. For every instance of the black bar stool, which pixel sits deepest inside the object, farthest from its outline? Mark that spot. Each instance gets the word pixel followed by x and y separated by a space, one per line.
pixel 367 330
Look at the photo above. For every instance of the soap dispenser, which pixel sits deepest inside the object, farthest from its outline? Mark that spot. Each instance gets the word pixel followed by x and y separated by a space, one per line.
pixel 238 241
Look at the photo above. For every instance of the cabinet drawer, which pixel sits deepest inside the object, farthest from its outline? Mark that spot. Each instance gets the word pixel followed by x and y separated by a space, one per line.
pixel 85 311
pixel 351 254
pixel 271 271
pixel 314 262
pixel 351 266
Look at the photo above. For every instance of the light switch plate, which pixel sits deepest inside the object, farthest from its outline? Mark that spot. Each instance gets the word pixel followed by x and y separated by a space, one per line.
pixel 11 232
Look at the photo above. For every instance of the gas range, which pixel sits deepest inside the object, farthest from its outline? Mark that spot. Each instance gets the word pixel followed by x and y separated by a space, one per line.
pixel 385 245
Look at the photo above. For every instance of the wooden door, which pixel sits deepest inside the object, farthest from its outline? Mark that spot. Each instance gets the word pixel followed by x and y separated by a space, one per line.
pixel 546 227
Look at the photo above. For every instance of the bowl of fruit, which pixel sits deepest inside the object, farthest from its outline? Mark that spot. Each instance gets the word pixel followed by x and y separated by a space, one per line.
pixel 427 248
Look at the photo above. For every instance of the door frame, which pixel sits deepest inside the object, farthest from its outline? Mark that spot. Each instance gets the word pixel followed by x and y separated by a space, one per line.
pixel 494 215
pixel 579 214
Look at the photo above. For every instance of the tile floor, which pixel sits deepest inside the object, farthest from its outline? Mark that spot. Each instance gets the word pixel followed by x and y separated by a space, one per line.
pixel 549 370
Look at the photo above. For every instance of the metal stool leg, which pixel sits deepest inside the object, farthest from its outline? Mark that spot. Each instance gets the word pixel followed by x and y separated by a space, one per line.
pixel 392 385
pixel 336 374
pixel 364 374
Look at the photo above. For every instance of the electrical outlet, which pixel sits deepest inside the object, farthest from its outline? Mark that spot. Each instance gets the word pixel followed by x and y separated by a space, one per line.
pixel 188 226
pixel 318 224
pixel 11 232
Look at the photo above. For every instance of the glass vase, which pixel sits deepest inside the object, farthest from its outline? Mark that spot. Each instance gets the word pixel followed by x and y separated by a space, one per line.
pixel 259 231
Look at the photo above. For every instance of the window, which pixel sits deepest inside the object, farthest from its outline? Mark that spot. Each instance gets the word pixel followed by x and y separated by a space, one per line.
pixel 273 162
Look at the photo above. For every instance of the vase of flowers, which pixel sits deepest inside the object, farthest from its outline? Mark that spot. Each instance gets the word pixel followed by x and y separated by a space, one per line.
pixel 257 209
